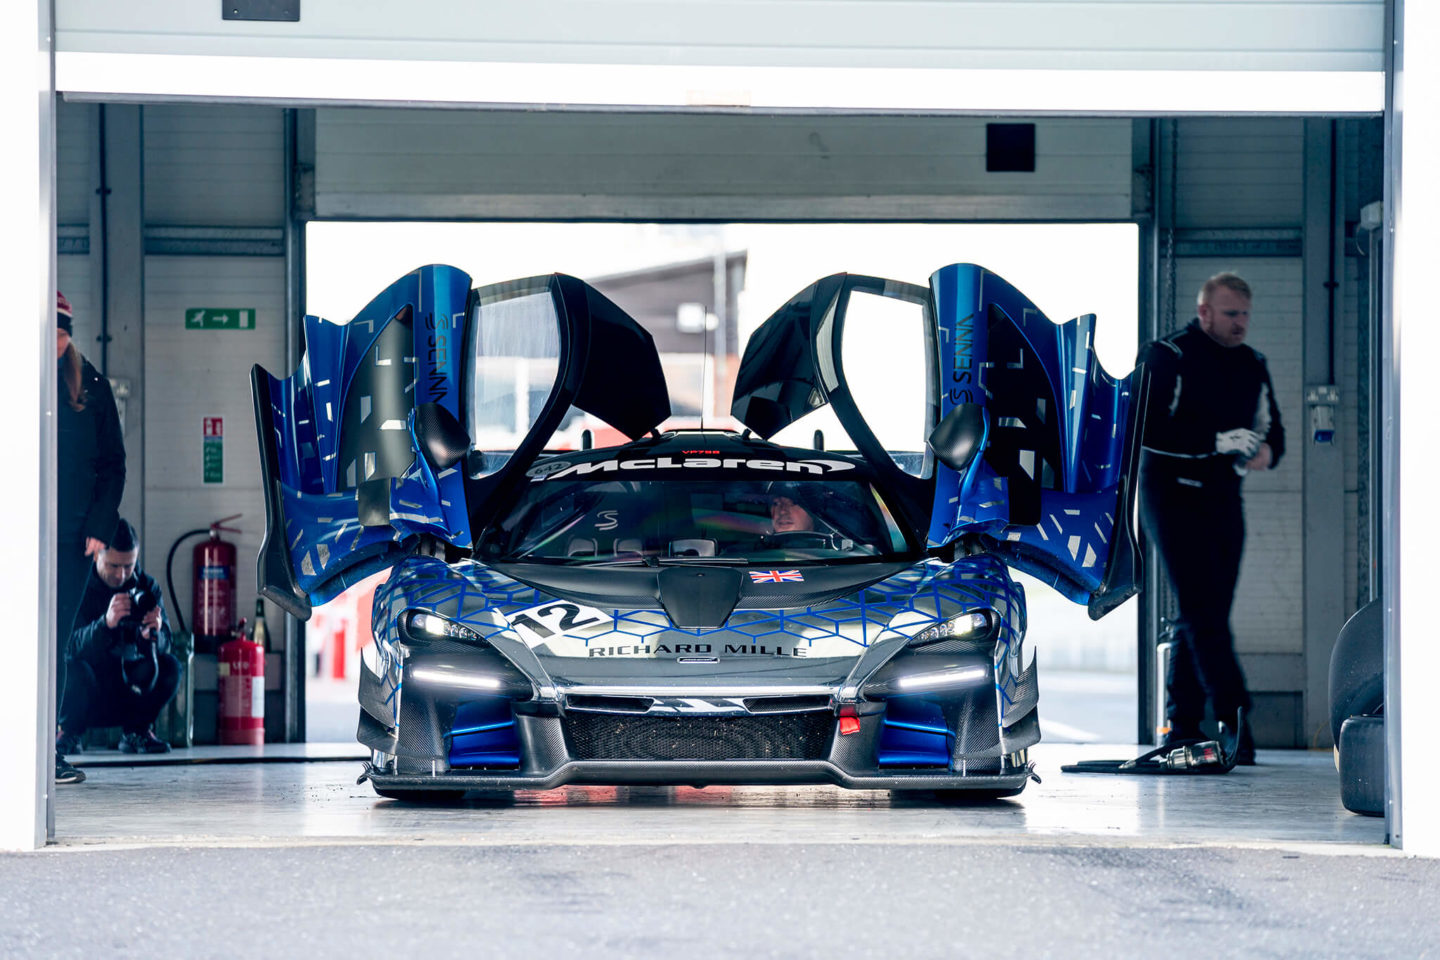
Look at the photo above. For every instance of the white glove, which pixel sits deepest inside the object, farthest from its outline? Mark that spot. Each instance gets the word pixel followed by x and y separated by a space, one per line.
pixel 1240 441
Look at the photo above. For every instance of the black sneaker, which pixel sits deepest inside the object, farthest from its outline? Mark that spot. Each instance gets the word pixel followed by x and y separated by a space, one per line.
pixel 66 772
pixel 67 744
pixel 145 742
pixel 1245 746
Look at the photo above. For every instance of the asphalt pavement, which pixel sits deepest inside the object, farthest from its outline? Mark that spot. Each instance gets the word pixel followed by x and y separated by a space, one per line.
pixel 780 900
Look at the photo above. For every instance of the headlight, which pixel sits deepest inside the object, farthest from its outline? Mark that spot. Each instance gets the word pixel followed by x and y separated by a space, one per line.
pixel 972 625
pixel 429 626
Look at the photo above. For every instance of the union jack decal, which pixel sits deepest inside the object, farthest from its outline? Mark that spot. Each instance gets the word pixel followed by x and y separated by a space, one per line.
pixel 776 576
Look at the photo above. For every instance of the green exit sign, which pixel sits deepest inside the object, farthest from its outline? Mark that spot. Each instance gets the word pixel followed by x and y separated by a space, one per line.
pixel 219 318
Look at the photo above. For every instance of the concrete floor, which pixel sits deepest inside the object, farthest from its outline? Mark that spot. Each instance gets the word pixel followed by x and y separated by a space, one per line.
pixel 1292 798
pixel 282 859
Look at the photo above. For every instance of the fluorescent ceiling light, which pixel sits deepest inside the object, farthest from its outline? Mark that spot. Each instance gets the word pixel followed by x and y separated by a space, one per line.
pixel 340 81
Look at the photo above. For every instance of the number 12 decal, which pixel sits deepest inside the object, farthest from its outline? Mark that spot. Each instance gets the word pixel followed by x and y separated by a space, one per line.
pixel 557 618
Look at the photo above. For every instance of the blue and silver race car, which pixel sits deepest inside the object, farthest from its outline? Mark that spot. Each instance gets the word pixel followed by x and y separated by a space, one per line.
pixel 695 606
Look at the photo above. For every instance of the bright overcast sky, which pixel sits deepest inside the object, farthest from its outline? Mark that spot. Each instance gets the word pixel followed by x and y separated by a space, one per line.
pixel 1066 269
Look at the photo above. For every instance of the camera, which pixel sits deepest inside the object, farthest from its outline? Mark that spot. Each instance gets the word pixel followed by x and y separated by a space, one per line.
pixel 139 666
pixel 142 601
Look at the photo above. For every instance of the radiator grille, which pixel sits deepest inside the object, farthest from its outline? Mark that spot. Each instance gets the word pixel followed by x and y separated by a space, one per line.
pixel 795 736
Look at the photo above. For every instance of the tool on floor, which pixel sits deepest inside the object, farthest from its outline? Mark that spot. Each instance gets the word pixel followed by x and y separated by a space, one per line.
pixel 1184 757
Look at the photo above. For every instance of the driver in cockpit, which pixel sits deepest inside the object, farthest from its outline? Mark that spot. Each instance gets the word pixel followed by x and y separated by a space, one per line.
pixel 795 511
pixel 787 516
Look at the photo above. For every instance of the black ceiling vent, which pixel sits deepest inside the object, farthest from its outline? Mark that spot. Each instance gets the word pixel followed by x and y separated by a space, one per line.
pixel 284 10
pixel 1010 148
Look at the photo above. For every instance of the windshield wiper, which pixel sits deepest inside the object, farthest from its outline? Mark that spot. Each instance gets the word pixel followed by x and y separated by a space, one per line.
pixel 737 560
pixel 655 561
pixel 624 562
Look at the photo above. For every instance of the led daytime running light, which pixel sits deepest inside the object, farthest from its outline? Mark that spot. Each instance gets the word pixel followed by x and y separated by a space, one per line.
pixel 455 678
pixel 943 678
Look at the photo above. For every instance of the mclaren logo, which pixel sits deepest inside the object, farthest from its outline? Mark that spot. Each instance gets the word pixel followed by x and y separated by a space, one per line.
pixel 555 471
pixel 699 705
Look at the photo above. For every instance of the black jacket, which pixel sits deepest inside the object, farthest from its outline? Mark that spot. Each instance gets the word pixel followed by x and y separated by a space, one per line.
pixel 1199 388
pixel 91 461
pixel 96 642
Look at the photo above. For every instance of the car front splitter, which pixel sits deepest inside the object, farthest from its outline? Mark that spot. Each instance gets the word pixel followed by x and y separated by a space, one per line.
pixel 736 773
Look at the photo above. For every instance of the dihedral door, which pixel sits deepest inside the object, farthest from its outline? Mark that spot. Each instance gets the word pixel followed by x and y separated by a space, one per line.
pixel 348 491
pixel 1050 490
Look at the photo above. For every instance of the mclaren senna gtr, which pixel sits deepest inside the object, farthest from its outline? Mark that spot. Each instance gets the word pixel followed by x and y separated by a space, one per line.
pixel 693 606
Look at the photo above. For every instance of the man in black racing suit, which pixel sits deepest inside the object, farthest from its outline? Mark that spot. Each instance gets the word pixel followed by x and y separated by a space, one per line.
pixel 1211 418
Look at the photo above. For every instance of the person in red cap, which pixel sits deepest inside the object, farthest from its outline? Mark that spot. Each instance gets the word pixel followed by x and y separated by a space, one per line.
pixel 90 455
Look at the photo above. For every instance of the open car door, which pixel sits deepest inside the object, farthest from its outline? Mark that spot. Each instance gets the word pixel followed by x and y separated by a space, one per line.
pixel 1031 447
pixel 367 449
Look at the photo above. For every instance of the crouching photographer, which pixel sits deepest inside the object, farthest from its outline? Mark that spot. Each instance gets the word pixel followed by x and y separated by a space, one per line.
pixel 120 671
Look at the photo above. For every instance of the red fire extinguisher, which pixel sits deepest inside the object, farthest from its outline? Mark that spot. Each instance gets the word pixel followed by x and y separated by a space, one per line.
pixel 242 690
pixel 213 587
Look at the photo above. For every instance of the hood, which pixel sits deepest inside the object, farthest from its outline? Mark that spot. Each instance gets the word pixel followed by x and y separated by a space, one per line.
pixel 558 639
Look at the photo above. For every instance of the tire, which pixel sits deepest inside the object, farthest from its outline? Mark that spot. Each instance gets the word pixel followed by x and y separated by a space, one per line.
pixel 1357 667
pixel 1362 765
pixel 422 796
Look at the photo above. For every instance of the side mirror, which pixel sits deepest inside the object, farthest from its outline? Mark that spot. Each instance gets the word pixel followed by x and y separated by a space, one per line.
pixel 443 441
pixel 960 436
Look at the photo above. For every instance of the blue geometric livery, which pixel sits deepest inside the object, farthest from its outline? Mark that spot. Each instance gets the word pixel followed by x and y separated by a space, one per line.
pixel 692 605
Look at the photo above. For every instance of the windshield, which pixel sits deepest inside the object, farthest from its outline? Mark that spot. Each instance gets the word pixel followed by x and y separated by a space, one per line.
pixel 673 521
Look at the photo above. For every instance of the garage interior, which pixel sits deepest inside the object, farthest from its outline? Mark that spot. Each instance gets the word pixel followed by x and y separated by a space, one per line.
pixel 165 204
pixel 196 197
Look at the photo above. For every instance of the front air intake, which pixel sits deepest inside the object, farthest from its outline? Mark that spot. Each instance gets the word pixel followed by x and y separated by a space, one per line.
pixel 795 736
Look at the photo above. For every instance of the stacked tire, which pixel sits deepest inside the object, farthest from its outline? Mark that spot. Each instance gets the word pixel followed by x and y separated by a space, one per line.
pixel 1357 710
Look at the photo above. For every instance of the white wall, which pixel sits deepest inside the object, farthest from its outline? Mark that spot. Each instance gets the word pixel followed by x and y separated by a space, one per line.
pixel 408 164
pixel 27 274
pixel 980 34
pixel 73 142
pixel 1235 172
pixel 209 168
pixel 214 167
pixel 192 374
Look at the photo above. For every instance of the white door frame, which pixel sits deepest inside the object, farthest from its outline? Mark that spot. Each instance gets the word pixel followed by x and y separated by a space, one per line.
pixel 27 107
